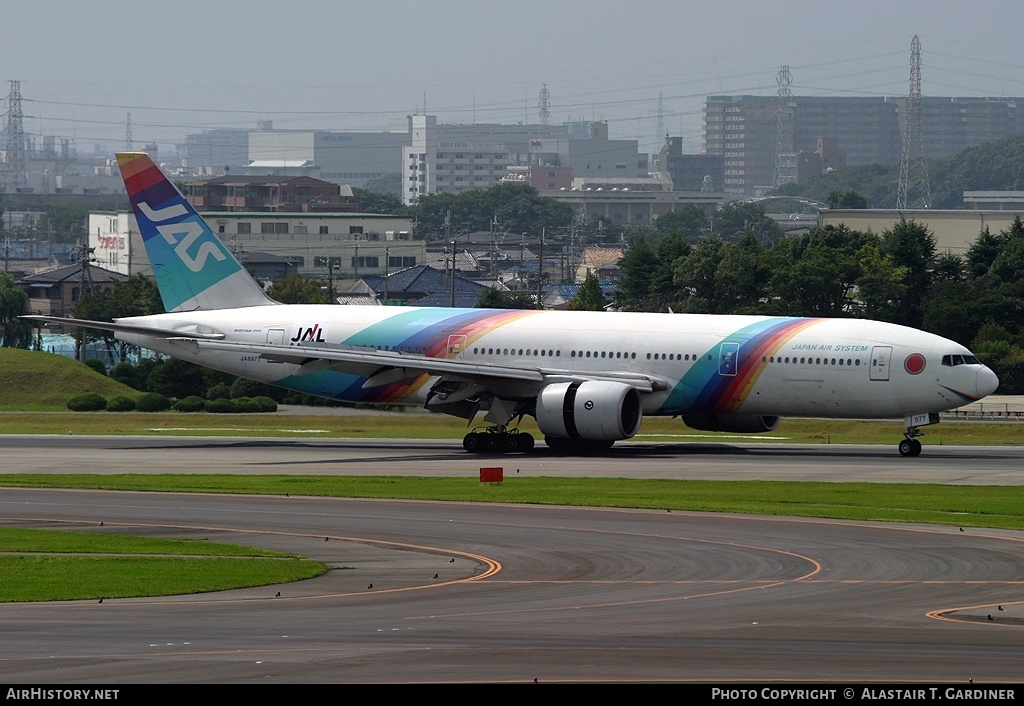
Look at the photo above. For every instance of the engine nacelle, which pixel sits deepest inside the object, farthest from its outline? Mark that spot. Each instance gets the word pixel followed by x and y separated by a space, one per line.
pixel 736 423
pixel 593 410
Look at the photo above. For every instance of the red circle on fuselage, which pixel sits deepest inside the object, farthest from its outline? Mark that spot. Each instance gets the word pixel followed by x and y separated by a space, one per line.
pixel 914 364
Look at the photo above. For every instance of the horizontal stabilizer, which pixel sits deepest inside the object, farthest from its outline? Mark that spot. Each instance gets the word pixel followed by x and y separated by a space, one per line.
pixel 183 333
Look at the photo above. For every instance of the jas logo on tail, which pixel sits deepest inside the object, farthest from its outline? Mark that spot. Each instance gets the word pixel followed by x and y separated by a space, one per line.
pixel 305 333
pixel 182 235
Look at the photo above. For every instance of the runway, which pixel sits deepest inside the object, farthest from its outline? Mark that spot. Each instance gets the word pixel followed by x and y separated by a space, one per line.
pixel 713 460
pixel 523 593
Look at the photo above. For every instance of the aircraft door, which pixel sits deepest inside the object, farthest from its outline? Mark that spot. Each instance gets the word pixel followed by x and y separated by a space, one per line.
pixel 275 337
pixel 880 356
pixel 456 345
pixel 728 359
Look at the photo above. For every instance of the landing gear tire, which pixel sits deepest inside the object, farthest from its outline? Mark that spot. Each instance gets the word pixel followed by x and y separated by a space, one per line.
pixel 497 442
pixel 492 443
pixel 910 447
pixel 472 443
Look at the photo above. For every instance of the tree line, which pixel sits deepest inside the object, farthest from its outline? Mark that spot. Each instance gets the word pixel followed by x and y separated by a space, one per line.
pixel 993 166
pixel 834 271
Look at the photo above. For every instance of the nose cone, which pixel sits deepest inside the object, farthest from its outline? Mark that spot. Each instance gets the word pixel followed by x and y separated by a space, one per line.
pixel 987 382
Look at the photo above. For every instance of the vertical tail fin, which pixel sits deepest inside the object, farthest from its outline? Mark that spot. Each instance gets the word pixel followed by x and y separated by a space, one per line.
pixel 193 269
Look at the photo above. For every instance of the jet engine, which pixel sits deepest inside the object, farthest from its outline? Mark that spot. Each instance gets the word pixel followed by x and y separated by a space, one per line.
pixel 736 423
pixel 591 411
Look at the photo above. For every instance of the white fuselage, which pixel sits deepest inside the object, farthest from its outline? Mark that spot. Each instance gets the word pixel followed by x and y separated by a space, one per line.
pixel 846 368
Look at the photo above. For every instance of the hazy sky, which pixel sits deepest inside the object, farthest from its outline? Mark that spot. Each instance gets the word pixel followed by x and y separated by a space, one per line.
pixel 185 66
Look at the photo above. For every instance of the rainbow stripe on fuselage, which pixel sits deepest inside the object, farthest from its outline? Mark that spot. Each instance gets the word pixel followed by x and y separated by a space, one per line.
pixel 701 386
pixel 705 389
pixel 427 332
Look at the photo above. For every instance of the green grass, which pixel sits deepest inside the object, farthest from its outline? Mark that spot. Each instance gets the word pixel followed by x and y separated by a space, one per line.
pixel 32 577
pixel 975 506
pixel 42 565
pixel 13 539
pixel 419 425
pixel 37 381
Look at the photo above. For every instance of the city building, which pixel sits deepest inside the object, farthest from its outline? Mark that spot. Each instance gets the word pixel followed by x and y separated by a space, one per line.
pixel 315 244
pixel 955 231
pixel 269 193
pixel 53 292
pixel 341 157
pixel 995 200
pixel 636 201
pixel 690 172
pixel 864 130
pixel 455 158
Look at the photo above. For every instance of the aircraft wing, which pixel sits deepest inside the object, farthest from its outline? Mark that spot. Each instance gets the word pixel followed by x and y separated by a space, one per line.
pixel 389 365
pixel 393 364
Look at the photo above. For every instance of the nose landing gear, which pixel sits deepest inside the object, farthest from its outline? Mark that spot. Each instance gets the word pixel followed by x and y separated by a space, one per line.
pixel 910 446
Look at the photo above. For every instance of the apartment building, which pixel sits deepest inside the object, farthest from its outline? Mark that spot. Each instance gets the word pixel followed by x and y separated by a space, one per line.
pixel 865 130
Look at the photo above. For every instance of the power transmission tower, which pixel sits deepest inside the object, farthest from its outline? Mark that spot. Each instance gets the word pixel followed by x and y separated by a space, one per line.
pixel 660 136
pixel 913 190
pixel 544 105
pixel 14 140
pixel 785 161
pixel 128 134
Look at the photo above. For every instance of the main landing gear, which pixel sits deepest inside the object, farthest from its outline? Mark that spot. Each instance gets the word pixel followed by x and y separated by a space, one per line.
pixel 498 440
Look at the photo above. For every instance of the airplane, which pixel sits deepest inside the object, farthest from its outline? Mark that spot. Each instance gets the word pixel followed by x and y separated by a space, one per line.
pixel 587 378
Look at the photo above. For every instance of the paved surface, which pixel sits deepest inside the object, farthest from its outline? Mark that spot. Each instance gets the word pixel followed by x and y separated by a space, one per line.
pixel 556 594
pixel 737 460
pixel 550 593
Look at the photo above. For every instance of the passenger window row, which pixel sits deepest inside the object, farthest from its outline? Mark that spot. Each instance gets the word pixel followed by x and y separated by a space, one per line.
pixel 793 360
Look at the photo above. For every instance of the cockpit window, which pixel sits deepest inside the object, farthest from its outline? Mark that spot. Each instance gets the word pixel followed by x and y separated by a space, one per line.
pixel 953 360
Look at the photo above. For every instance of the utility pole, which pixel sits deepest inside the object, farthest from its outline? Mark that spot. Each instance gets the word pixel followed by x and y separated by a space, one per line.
pixel 452 243
pixel 522 275
pixel 494 247
pixel 84 286
pixel 540 269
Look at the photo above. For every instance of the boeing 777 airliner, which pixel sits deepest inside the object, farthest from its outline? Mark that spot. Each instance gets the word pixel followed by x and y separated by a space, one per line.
pixel 588 378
